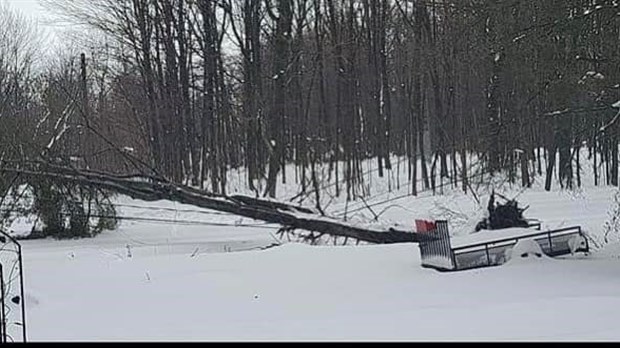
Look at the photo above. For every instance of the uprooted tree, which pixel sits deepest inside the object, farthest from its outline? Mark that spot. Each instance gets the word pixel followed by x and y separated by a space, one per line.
pixel 503 215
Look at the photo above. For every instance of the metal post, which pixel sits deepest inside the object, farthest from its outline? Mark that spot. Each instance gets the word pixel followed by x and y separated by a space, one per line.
pixel 586 239
pixel 3 323
pixel 454 264
pixel 486 248
pixel 21 284
pixel 550 245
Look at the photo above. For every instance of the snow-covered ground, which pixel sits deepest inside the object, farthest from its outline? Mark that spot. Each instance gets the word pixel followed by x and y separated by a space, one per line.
pixel 155 281
pixel 299 292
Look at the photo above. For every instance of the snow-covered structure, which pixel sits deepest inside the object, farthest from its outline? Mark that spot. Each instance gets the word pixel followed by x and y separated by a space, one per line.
pixel 491 248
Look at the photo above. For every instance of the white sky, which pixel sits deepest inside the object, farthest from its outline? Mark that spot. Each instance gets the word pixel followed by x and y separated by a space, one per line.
pixel 31 8
pixel 34 10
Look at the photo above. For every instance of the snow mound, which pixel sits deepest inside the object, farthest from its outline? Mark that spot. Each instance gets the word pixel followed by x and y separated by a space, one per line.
pixel 577 243
pixel 526 250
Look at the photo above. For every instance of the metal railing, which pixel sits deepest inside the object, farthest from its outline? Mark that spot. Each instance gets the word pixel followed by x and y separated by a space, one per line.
pixel 13 310
pixel 493 253
pixel 439 254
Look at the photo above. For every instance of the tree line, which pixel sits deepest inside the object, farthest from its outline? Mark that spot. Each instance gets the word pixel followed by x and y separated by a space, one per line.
pixel 188 90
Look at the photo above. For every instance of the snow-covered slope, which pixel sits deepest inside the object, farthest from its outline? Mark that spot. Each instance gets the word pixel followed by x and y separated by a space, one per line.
pixel 300 292
pixel 155 281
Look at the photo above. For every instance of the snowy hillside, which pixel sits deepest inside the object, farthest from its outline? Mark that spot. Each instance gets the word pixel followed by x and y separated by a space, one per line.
pixel 155 280
pixel 299 292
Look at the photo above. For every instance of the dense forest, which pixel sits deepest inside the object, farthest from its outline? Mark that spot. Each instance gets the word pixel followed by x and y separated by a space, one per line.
pixel 189 89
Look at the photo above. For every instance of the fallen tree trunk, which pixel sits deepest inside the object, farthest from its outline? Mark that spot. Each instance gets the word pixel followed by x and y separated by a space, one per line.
pixel 153 189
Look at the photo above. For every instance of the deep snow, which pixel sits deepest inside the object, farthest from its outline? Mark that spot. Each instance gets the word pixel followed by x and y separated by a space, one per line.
pixel 299 292
pixel 176 282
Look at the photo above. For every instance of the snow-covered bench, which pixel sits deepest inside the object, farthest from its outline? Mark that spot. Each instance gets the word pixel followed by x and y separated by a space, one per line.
pixel 490 248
